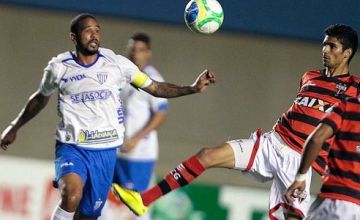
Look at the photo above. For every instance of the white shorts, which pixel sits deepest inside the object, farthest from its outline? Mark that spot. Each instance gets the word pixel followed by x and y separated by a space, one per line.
pixel 334 209
pixel 265 157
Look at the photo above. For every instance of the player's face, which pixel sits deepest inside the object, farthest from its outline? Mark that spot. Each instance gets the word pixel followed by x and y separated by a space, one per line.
pixel 333 53
pixel 88 39
pixel 139 53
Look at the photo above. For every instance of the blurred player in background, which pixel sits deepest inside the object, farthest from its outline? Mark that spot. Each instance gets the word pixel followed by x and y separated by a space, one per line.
pixel 143 115
pixel 340 192
pixel 91 127
pixel 275 155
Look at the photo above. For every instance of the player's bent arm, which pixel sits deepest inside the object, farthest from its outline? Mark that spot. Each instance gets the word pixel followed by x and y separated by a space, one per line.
pixel 156 120
pixel 168 90
pixel 313 146
pixel 34 105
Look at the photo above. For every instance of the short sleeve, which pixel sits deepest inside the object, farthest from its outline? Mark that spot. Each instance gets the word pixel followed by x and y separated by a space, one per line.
pixel 157 104
pixel 333 117
pixel 132 72
pixel 48 83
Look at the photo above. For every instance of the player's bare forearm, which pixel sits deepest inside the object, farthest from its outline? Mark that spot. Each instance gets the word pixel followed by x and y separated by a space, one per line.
pixel 313 146
pixel 168 90
pixel 35 104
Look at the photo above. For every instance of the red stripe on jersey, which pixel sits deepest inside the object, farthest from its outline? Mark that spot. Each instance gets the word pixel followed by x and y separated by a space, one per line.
pixel 344 156
pixel 317 93
pixel 254 151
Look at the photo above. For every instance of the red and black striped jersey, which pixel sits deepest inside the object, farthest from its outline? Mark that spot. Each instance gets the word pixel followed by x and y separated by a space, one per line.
pixel 343 181
pixel 317 93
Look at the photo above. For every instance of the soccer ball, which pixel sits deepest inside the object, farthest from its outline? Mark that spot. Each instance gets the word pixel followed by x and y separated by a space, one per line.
pixel 203 16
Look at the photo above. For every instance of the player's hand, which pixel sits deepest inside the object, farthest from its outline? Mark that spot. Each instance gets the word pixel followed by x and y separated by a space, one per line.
pixel 206 78
pixel 8 136
pixel 296 190
pixel 129 145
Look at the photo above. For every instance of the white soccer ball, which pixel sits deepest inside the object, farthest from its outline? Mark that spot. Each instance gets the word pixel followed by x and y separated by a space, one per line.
pixel 204 16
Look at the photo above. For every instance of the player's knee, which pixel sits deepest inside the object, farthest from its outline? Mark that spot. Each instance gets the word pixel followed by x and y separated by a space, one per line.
pixel 206 156
pixel 71 196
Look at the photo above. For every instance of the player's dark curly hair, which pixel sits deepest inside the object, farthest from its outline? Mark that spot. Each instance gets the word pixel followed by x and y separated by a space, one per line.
pixel 347 36
pixel 142 37
pixel 76 22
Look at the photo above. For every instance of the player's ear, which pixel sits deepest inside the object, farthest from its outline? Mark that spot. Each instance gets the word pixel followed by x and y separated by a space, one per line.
pixel 72 37
pixel 348 52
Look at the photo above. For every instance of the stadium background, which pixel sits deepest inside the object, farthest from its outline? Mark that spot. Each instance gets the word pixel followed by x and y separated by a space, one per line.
pixel 259 56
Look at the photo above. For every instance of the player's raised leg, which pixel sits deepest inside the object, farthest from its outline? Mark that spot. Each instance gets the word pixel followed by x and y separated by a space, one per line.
pixel 220 156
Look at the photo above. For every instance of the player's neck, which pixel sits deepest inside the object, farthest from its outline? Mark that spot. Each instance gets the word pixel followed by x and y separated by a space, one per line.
pixel 338 71
pixel 86 59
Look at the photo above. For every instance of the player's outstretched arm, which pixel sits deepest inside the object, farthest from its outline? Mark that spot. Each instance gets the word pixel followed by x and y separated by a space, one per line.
pixel 312 148
pixel 36 102
pixel 168 90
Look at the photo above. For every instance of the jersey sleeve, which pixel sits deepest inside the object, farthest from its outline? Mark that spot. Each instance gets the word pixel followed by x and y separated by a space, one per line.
pixel 333 118
pixel 157 104
pixel 132 72
pixel 49 80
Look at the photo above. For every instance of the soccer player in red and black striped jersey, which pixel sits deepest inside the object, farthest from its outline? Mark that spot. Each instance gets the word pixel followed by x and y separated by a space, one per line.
pixel 275 155
pixel 340 192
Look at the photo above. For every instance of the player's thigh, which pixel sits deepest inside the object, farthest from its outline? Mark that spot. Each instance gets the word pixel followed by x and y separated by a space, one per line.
pixel 100 176
pixel 70 171
pixel 221 156
pixel 234 154
pixel 251 156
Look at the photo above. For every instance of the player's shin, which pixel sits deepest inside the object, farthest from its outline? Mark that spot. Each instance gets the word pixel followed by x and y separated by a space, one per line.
pixel 182 175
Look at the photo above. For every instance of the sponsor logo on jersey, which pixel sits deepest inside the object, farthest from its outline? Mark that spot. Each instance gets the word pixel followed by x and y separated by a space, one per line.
pixel 86 136
pixel 314 103
pixel 101 77
pixel 74 78
pixel 90 96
